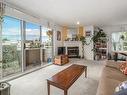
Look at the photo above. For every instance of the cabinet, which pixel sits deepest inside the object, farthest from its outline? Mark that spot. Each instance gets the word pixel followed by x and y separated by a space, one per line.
pixel 33 56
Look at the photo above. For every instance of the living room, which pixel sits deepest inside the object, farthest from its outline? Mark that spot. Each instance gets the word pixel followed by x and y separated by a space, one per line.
pixel 54 47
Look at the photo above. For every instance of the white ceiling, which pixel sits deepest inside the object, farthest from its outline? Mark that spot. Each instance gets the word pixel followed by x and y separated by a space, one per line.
pixel 68 12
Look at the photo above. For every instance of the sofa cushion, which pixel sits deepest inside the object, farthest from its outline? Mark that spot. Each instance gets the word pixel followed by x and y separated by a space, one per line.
pixel 107 86
pixel 113 64
pixel 122 66
pixel 111 77
pixel 113 74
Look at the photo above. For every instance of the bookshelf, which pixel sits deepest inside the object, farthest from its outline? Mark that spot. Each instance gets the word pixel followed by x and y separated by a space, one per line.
pixel 100 52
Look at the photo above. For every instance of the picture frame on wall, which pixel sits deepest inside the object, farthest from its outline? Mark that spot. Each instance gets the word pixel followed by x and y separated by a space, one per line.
pixel 88 33
pixel 59 35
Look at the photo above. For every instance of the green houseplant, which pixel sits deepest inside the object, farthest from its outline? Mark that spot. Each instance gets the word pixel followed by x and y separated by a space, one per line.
pixel 99 37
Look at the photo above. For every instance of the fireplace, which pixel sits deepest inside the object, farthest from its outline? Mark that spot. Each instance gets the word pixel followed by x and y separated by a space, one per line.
pixel 73 52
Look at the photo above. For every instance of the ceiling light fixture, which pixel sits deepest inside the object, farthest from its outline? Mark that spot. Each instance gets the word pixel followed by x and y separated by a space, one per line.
pixel 78 22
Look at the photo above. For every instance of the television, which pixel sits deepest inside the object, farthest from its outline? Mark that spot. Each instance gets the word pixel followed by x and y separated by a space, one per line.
pixel 61 50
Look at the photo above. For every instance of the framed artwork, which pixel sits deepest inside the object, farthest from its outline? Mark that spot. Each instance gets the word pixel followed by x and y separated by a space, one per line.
pixel 88 33
pixel 58 35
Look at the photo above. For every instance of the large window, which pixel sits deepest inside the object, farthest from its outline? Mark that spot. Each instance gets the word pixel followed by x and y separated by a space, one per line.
pixel 119 41
pixel 46 45
pixel 23 46
pixel 11 46
pixel 32 45
pixel 32 35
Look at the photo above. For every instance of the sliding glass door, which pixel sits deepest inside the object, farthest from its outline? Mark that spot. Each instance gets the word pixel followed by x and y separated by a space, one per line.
pixel 32 45
pixel 23 45
pixel 11 46
pixel 46 37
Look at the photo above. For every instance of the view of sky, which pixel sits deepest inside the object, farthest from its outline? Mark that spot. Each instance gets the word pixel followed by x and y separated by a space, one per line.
pixel 12 30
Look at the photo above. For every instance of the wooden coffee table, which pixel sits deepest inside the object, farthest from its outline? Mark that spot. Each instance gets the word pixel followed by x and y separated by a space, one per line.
pixel 67 77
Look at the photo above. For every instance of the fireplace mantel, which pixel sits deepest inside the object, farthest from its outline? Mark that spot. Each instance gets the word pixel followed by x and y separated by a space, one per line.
pixel 74 44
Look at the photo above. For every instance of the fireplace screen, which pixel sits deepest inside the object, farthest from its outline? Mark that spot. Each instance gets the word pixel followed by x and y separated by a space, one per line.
pixel 73 51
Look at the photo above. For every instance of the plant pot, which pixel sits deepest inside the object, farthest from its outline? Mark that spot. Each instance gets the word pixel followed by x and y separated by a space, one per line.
pixel 4 88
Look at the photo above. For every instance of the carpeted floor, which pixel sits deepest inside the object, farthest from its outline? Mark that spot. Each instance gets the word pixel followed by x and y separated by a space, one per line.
pixel 35 83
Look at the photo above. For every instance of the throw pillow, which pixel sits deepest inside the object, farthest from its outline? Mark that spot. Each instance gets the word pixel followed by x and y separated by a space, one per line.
pixel 125 71
pixel 121 86
pixel 122 92
pixel 123 66
pixel 114 65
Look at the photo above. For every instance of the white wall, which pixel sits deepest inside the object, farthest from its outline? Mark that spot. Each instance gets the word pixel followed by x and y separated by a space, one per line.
pixel 88 53
pixel 56 42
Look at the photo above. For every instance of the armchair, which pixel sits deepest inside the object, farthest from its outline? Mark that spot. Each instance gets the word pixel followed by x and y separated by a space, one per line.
pixel 61 59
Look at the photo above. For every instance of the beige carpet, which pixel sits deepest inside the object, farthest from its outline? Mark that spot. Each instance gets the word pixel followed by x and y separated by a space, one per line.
pixel 35 83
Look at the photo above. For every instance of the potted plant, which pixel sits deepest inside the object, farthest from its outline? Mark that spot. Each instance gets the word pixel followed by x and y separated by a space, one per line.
pixel 4 88
pixel 98 37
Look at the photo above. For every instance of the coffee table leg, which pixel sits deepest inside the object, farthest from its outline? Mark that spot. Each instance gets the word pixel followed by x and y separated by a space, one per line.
pixel 48 88
pixel 86 72
pixel 65 92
